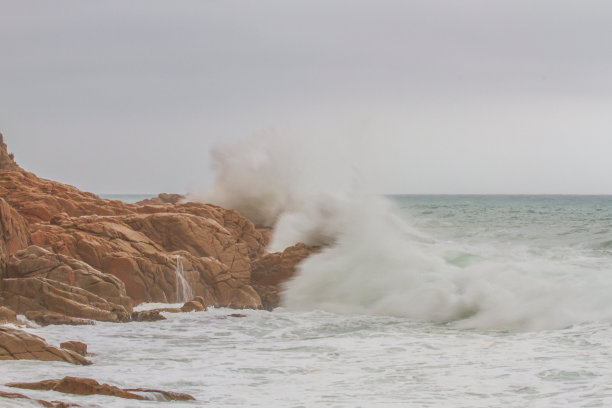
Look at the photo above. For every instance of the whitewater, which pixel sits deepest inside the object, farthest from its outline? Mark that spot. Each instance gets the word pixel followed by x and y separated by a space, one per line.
pixel 525 321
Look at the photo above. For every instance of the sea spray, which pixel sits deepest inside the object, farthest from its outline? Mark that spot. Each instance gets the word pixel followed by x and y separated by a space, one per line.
pixel 375 261
pixel 183 289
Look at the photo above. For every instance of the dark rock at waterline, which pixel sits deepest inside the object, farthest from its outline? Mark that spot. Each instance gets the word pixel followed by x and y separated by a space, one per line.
pixel 147 316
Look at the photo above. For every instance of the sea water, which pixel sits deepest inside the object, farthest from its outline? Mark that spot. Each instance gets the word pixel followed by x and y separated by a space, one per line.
pixel 473 301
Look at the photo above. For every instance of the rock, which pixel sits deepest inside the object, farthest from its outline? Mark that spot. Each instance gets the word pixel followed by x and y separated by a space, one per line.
pixel 166 395
pixel 237 315
pixel 35 261
pixel 88 386
pixel 49 404
pixel 192 306
pixel 141 251
pixel 168 310
pixel 147 316
pixel 8 316
pixel 272 270
pixel 106 255
pixel 40 294
pixel 7 161
pixel 162 198
pixel 201 301
pixel 76 346
pixel 46 318
pixel 14 233
pixel 19 345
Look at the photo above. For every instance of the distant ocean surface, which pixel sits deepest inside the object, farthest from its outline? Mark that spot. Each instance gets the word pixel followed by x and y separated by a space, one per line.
pixel 476 301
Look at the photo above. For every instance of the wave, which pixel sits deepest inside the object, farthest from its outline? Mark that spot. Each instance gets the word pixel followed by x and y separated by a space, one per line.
pixel 375 260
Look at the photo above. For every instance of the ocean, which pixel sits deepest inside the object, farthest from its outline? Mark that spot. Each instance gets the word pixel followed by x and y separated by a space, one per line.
pixel 418 301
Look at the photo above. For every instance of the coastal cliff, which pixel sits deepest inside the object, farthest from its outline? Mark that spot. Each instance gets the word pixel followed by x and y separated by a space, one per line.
pixel 106 256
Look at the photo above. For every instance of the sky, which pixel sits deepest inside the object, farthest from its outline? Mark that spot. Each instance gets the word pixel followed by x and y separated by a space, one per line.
pixel 439 96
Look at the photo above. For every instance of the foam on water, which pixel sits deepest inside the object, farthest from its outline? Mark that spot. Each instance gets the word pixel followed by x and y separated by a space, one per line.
pixel 376 261
pixel 319 359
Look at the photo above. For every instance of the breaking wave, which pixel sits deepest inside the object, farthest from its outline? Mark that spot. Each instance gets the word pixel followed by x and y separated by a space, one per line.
pixel 376 262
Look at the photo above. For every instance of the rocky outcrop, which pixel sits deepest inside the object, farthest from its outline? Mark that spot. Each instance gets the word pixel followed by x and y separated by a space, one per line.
pixel 87 386
pixel 272 270
pixel 141 250
pixel 7 160
pixel 102 256
pixel 19 345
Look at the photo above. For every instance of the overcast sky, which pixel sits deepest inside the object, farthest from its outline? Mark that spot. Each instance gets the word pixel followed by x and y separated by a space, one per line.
pixel 442 96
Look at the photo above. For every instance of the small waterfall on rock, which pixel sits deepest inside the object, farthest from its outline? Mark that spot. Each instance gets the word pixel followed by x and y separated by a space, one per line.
pixel 183 289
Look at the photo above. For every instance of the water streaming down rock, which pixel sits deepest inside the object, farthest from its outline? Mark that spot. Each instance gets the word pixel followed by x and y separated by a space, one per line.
pixel 183 289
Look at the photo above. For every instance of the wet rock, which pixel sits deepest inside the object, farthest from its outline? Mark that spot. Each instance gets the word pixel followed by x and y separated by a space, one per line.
pixel 48 404
pixel 19 345
pixel 237 315
pixel 88 386
pixel 76 346
pixel 192 306
pixel 147 316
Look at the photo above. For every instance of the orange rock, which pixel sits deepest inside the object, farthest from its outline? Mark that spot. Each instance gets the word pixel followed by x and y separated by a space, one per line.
pixel 46 318
pixel 76 346
pixel 48 404
pixel 38 262
pixel 8 316
pixel 19 345
pixel 193 306
pixel 40 294
pixel 88 386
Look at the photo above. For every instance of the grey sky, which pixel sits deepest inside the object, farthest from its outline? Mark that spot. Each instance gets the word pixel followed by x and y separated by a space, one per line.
pixel 443 96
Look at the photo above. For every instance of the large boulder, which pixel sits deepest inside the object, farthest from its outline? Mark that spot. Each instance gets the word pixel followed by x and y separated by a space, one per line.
pixel 41 294
pixel 19 345
pixel 39 262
